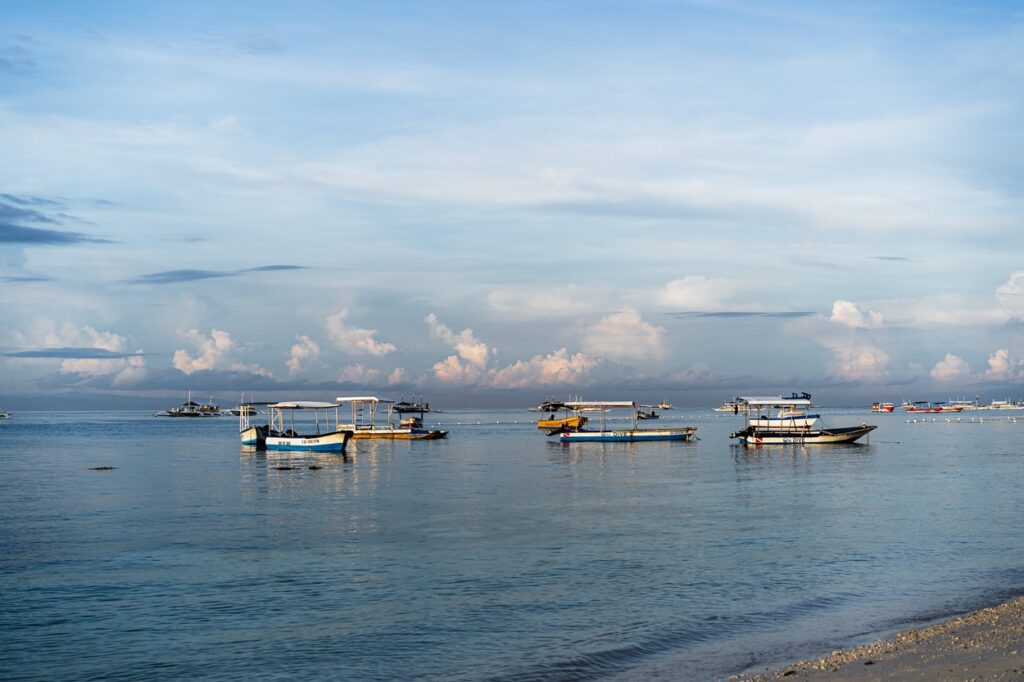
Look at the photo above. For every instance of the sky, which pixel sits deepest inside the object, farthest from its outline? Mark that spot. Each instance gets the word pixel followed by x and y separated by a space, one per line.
pixel 492 203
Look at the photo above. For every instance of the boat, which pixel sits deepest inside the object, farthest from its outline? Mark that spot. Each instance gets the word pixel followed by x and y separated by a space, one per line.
pixel 762 407
pixel 731 406
pixel 1005 405
pixel 920 406
pixel 404 406
pixel 325 436
pixel 967 405
pixel 5 415
pixel 248 408
pixel 552 422
pixel 882 407
pixel 630 435
pixel 646 412
pixel 365 410
pixel 192 409
pixel 253 435
pixel 665 405
pixel 785 420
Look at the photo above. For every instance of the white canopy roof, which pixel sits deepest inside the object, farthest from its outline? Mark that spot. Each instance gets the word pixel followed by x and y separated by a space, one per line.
pixel 773 401
pixel 599 404
pixel 302 405
pixel 363 399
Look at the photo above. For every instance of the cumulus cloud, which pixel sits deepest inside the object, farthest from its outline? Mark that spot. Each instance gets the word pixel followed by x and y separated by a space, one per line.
pixel 84 350
pixel 950 369
pixel 398 376
pixel 857 361
pixel 212 353
pixel 848 314
pixel 357 374
pixel 305 351
pixel 1010 293
pixel 355 340
pixel 554 368
pixel 469 364
pixel 695 292
pixel 625 335
pixel 1001 367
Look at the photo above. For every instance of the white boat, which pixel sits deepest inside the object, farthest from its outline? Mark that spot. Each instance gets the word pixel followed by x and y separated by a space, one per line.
pixel 1005 405
pixel 191 409
pixel 324 435
pixel 761 407
pixel 367 409
pixel 964 405
pixel 5 415
pixel 731 406
pixel 629 435
pixel 792 420
pixel 665 405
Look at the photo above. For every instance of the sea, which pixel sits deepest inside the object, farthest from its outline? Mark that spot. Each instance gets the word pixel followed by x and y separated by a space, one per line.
pixel 135 548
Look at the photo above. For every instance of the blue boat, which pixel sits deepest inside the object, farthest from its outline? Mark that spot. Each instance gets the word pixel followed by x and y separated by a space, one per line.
pixel 281 434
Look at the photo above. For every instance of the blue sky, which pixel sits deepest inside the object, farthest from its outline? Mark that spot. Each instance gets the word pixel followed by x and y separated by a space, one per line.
pixel 490 201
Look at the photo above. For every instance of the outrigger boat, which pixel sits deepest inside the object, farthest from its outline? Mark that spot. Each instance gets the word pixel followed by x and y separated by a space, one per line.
pixel 882 407
pixel 328 436
pixel 364 420
pixel 605 435
pixel 192 409
pixel 775 430
pixel 731 406
pixel 665 405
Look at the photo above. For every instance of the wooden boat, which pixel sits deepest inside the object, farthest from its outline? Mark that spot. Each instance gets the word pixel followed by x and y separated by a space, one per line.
pixel 628 435
pixel 326 436
pixel 365 410
pixel 572 423
pixel 646 412
pixel 762 428
pixel 882 407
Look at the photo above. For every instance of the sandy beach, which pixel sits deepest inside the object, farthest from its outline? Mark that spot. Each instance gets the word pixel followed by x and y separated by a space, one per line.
pixel 984 645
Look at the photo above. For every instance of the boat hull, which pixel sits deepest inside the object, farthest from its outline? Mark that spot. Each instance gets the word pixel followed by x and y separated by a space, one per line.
pixel 325 442
pixel 567 422
pixel 755 436
pixel 628 435
pixel 399 434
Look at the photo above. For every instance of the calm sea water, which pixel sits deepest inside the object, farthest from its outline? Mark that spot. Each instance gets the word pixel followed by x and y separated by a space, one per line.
pixel 496 554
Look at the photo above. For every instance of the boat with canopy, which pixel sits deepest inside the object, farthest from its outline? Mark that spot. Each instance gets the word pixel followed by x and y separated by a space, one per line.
pixel 367 409
pixel 627 435
pixel 772 420
pixel 323 435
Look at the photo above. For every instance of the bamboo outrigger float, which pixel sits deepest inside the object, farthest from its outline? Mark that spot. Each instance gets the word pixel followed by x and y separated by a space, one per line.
pixel 790 424
pixel 605 435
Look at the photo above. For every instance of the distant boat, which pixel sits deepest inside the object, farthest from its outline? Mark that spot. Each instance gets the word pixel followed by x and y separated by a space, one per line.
pixel 629 435
pixel 665 405
pixel 647 413
pixel 775 431
pixel 243 407
pixel 731 406
pixel 365 410
pixel 5 415
pixel 404 406
pixel 1005 405
pixel 882 407
pixel 967 405
pixel 190 409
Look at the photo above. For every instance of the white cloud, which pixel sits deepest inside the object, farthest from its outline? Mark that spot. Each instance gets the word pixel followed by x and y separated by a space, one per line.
pixel 357 374
pixel 950 369
pixel 529 303
pixel 69 335
pixel 1010 293
pixel 695 292
pixel 305 351
pixel 398 376
pixel 214 352
pixel 848 314
pixel 857 361
pixel 355 340
pixel 554 368
pixel 624 335
pixel 1001 367
pixel 469 365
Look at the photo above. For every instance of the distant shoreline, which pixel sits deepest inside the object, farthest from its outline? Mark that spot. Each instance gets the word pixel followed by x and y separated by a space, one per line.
pixel 984 644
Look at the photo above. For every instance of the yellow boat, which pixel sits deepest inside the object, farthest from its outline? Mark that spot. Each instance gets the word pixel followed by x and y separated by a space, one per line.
pixel 570 422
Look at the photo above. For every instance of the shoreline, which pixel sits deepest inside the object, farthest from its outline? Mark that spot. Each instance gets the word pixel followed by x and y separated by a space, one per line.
pixel 987 644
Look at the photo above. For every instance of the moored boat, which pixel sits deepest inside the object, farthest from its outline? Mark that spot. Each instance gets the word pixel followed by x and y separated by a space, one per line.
pixel 191 409
pixel 627 435
pixel 665 405
pixel 762 428
pixel 882 407
pixel 575 422
pixel 324 436
pixel 365 412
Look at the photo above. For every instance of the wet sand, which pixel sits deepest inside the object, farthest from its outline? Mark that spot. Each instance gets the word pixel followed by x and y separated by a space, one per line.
pixel 984 645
